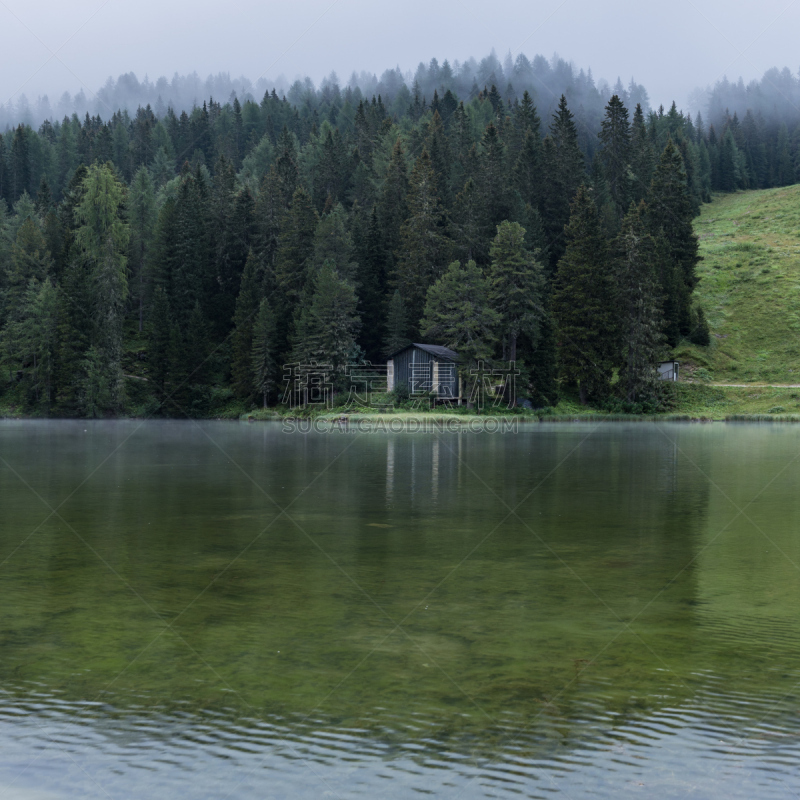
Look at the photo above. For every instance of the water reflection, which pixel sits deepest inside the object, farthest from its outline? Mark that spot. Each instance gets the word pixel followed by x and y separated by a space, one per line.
pixel 566 609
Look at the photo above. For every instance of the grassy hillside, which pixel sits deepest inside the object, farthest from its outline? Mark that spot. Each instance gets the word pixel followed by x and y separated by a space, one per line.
pixel 750 288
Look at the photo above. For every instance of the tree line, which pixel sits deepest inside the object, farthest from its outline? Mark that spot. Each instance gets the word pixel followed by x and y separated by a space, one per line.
pixel 178 263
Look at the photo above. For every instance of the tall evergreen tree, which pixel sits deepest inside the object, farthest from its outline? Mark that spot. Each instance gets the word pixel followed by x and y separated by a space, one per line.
pixel 583 304
pixel 423 244
pixel 263 353
pixel 102 237
pixel 615 154
pixel 515 287
pixel 670 212
pixel 142 219
pixel 459 316
pixel 639 303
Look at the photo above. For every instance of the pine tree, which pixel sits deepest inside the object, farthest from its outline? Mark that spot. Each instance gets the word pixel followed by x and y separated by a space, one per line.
pixel 333 242
pixel 615 154
pixel 459 316
pixel 670 212
pixel 639 306
pixel 423 245
pixel 328 324
pixel 515 287
pixel 564 171
pixel 30 261
pixel 251 293
pixel 583 304
pixel 103 237
pixel 296 248
pixel 263 354
pixel 392 206
pixel 700 334
pixel 159 326
pixel 142 219
pixel 543 362
pixel 642 157
pixel 397 326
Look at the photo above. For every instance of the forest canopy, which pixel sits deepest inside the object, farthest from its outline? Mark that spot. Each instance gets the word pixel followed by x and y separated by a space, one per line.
pixel 173 261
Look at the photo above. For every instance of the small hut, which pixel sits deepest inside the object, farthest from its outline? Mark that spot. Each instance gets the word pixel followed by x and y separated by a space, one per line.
pixel 668 370
pixel 425 369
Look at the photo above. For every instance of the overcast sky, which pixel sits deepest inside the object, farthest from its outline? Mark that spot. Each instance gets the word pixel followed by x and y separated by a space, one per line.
pixel 50 46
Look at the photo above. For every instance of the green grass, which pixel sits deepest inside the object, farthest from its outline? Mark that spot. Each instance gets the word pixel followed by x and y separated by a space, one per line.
pixel 750 288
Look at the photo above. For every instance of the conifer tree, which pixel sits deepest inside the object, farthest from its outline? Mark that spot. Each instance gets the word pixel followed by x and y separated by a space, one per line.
pixel 397 325
pixel 564 171
pixel 423 245
pixel 542 362
pixel 615 154
pixel 669 212
pixel 142 220
pixel 639 306
pixel 252 292
pixel 515 287
pixel 328 324
pixel 642 157
pixel 262 356
pixel 392 206
pixel 103 237
pixel 159 326
pixel 458 314
pixel 583 304
pixel 296 246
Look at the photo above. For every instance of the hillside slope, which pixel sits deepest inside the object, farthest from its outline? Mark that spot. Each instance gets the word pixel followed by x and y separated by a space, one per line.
pixel 750 287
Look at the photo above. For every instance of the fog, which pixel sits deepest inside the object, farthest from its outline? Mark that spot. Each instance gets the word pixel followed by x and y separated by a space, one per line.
pixel 53 47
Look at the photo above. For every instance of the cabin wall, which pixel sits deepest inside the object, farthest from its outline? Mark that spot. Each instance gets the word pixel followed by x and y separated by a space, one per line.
pixel 415 369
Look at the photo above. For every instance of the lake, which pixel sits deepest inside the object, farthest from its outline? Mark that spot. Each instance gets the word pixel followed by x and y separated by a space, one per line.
pixel 225 610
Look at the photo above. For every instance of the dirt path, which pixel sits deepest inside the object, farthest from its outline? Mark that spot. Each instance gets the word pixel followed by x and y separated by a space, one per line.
pixel 757 385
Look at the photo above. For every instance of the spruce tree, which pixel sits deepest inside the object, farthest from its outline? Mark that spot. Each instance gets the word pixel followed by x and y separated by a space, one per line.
pixel 515 287
pixel 642 156
pixel 397 325
pixel 423 246
pixel 142 219
pixel 640 315
pixel 583 304
pixel 670 212
pixel 458 315
pixel 251 293
pixel 102 237
pixel 615 154
pixel 159 326
pixel 263 354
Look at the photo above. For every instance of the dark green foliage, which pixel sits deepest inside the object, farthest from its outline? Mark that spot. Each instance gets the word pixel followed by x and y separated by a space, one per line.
pixel 262 353
pixel 458 314
pixel 700 333
pixel 669 214
pixel 397 326
pixel 639 307
pixel 615 155
pixel 424 246
pixel 516 282
pixel 162 241
pixel 583 304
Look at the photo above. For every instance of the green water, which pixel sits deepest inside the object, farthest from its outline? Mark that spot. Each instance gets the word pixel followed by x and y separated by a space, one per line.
pixel 226 610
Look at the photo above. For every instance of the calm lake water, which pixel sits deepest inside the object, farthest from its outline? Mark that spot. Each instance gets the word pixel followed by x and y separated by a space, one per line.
pixel 224 610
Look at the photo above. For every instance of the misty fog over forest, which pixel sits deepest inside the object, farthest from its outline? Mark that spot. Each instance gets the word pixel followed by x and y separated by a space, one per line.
pixel 330 224
pixel 544 79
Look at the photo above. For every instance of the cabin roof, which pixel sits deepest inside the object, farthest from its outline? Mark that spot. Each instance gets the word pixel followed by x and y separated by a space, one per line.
pixel 434 349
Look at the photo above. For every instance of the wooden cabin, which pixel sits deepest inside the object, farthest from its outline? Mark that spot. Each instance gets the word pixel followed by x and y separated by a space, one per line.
pixel 425 369
pixel 668 370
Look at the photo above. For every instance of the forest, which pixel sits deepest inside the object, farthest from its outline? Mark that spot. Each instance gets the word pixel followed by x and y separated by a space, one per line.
pixel 173 263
